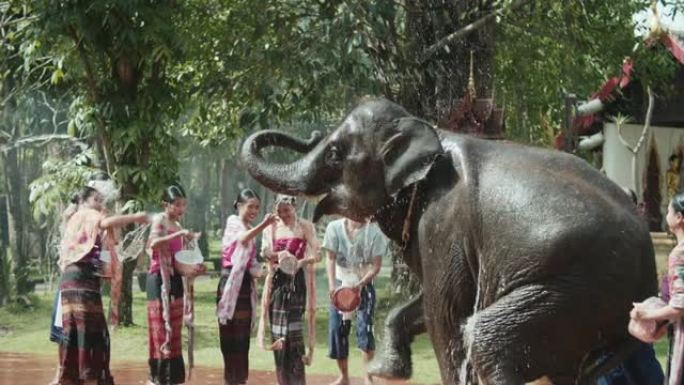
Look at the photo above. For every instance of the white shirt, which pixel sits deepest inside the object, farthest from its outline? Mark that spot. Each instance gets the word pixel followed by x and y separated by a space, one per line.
pixel 354 257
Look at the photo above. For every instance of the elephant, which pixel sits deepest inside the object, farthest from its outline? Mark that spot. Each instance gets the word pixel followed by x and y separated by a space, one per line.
pixel 529 258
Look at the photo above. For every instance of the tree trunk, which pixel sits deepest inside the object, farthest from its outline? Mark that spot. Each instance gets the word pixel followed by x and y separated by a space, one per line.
pixel 15 218
pixel 204 174
pixel 226 206
pixel 126 300
pixel 126 304
pixel 5 268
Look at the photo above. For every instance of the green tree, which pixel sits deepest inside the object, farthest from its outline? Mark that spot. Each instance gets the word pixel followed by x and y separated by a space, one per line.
pixel 31 119
pixel 117 55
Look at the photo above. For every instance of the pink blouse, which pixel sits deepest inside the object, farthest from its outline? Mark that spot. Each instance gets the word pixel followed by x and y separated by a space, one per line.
pixel 161 227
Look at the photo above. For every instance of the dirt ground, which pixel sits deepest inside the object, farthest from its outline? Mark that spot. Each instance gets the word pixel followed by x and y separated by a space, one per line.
pixel 25 369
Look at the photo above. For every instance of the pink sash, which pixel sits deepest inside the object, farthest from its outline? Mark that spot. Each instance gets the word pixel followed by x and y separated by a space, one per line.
pixel 240 255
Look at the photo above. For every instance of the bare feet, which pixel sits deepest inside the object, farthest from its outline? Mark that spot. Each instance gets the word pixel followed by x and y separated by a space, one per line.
pixel 55 381
pixel 342 380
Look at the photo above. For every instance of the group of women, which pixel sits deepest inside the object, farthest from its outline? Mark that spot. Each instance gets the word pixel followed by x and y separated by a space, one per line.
pixel 79 325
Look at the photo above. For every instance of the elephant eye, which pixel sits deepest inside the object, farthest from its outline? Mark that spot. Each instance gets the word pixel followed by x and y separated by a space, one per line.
pixel 334 155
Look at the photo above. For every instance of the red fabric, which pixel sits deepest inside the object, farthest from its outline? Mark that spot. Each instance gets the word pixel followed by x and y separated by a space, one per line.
pixel 559 141
pixel 582 123
pixel 175 245
pixel 116 272
pixel 627 68
pixel 157 334
pixel 296 246
pixel 674 46
pixel 607 89
pixel 606 93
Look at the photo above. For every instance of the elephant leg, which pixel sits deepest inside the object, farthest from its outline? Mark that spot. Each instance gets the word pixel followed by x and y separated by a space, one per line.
pixel 524 336
pixel 393 359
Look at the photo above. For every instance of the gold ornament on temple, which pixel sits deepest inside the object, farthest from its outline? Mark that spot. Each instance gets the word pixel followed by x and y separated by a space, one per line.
pixel 672 177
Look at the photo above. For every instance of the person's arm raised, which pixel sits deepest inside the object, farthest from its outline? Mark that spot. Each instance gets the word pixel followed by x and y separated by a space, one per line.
pixel 256 230
pixel 123 220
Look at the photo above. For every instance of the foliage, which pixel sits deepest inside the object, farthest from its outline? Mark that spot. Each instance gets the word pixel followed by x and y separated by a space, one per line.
pixel 116 54
pixel 654 65
pixel 21 68
pixel 61 179
pixel 548 49
pixel 150 85
pixel 7 284
pixel 258 64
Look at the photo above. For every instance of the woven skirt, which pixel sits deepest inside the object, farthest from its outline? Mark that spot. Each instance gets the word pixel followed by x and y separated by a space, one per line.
pixel 84 348
pixel 288 299
pixel 235 334
pixel 165 369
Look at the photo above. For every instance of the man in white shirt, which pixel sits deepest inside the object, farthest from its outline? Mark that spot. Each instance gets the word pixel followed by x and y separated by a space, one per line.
pixel 355 251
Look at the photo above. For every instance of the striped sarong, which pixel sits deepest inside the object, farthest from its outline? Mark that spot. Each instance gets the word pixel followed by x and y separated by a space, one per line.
pixel 84 348
pixel 165 369
pixel 286 314
pixel 235 333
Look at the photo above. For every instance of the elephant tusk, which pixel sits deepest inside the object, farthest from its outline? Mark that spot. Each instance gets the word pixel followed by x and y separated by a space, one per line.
pixel 405 231
pixel 387 147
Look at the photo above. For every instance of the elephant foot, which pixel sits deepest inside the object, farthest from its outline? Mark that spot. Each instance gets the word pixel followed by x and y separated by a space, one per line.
pixel 393 364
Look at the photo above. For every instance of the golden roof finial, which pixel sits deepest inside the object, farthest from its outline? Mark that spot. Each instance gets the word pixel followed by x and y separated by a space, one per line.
pixel 471 77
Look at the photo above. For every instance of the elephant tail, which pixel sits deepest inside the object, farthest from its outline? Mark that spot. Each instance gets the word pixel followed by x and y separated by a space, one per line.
pixel 600 362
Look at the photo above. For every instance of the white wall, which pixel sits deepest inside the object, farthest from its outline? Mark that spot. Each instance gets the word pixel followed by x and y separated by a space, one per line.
pixel 617 160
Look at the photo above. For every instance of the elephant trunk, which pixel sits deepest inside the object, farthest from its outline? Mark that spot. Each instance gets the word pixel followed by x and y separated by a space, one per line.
pixel 298 177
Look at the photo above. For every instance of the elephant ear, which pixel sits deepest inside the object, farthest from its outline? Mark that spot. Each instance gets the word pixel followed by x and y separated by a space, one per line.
pixel 409 153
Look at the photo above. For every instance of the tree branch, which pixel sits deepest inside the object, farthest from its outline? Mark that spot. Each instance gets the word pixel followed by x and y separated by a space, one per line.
pixel 647 122
pixel 635 150
pixel 41 140
pixel 445 41
pixel 90 74
pixel 100 138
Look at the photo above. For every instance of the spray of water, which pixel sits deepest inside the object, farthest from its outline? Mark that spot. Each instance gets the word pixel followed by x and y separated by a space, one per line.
pixel 133 243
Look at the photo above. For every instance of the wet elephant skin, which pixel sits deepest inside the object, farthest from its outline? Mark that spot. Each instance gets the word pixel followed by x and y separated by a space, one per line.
pixel 529 258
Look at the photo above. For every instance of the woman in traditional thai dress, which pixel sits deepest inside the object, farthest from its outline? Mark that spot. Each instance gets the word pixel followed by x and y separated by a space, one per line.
pixel 56 332
pixel 84 349
pixel 236 293
pixel 291 295
pixel 674 310
pixel 164 287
